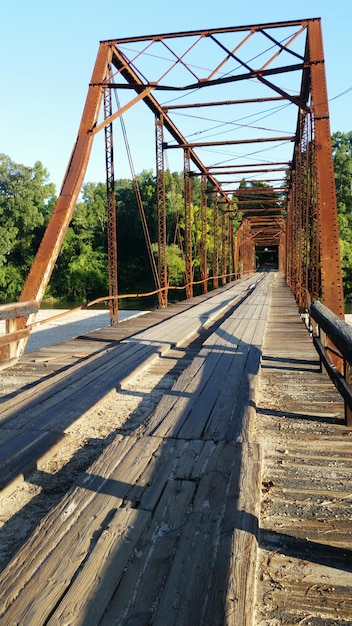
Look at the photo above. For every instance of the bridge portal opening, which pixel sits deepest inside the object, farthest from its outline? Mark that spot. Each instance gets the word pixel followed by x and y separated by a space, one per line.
pixel 267 256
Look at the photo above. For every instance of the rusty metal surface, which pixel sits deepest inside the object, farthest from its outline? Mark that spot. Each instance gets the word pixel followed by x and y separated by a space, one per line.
pixel 50 246
pixel 287 201
pixel 188 222
pixel 303 267
pixel 203 242
pixel 331 275
pixel 111 210
pixel 161 201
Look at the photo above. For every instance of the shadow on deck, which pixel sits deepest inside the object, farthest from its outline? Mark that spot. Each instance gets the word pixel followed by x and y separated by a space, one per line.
pixel 163 527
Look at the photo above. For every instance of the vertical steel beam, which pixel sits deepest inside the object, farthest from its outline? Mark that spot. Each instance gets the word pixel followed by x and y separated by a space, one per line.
pixel 282 251
pixel 306 212
pixel 298 222
pixel 231 246
pixel 314 274
pixel 161 211
pixel 215 241
pixel 111 210
pixel 237 252
pixel 223 247
pixel 203 245
pixel 251 264
pixel 188 222
pixel 290 231
pixel 331 273
pixel 228 250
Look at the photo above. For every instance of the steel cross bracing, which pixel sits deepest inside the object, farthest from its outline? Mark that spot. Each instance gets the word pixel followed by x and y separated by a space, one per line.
pixel 248 108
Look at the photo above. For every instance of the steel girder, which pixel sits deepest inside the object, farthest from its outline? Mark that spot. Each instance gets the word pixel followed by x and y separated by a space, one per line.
pixel 203 243
pixel 216 240
pixel 223 247
pixel 50 246
pixel 331 273
pixel 188 222
pixel 165 66
pixel 111 211
pixel 161 201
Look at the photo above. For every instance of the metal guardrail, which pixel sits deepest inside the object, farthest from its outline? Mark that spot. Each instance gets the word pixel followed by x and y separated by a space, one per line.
pixel 332 338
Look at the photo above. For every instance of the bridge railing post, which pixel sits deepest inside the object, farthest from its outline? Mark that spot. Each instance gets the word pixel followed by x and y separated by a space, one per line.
pixel 332 338
pixel 348 378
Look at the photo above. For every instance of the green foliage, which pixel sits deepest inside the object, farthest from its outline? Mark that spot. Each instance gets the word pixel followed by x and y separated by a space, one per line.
pixel 10 282
pixel 175 264
pixel 81 269
pixel 26 200
pixel 342 155
pixel 87 274
pixel 133 260
pixel 346 262
pixel 80 273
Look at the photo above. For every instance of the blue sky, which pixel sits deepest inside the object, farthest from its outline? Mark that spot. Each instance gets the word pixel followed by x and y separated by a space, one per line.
pixel 48 49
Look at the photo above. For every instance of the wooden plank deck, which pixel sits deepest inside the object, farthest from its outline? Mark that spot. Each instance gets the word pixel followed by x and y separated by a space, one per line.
pixel 163 527
pixel 156 498
pixel 305 537
pixel 35 415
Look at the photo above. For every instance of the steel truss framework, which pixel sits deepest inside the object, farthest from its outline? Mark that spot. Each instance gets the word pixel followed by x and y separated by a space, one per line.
pixel 252 122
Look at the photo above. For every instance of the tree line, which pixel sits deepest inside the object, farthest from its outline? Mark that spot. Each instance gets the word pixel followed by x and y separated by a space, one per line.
pixel 80 274
pixel 342 155
pixel 27 199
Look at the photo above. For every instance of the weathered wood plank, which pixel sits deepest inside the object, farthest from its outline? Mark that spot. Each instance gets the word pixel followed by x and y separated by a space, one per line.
pixel 241 589
pixel 197 419
pixel 82 378
pixel 20 454
pixel 18 309
pixel 192 454
pixel 308 596
pixel 191 423
pixel 182 497
pixel 223 411
pixel 179 389
pixel 56 414
pixel 101 572
pixel 243 414
pixel 52 528
pixel 171 423
pixel 304 566
pixel 188 581
pixel 61 543
pixel 14 336
pixel 174 459
pixel 48 387
pixel 148 568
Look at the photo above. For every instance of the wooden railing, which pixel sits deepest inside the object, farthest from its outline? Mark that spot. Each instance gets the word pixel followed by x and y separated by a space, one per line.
pixel 332 338
pixel 10 341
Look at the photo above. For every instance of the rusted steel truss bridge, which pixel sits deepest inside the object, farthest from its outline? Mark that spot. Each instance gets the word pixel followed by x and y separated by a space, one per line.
pixel 247 108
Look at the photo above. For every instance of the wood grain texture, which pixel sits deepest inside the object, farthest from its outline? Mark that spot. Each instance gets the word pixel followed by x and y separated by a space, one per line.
pixel 162 528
